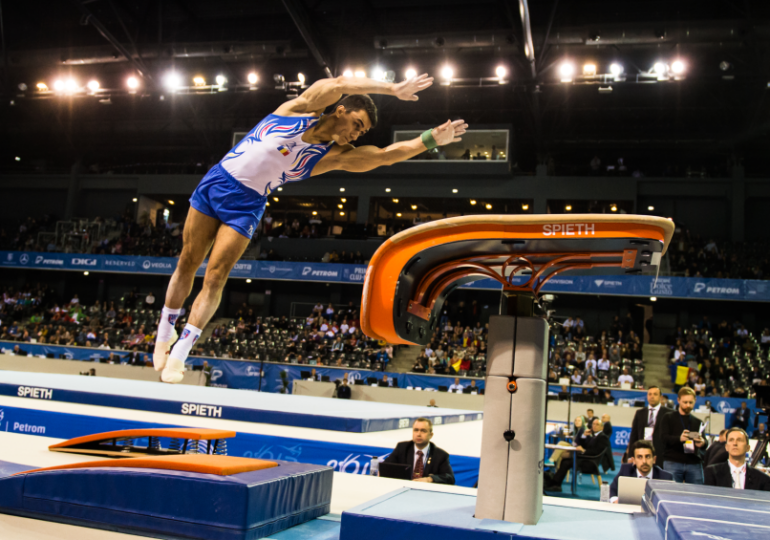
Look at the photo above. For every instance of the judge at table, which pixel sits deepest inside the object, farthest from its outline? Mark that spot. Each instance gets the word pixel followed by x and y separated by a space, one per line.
pixel 427 462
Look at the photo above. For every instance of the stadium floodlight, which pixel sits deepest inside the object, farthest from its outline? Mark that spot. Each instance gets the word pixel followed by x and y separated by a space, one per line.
pixel 660 70
pixel 58 85
pixel 248 281
pixel 342 213
pixel 134 199
pixel 301 78
pixel 378 73
pixel 489 206
pixel 614 208
pixel 173 81
pixel 42 87
pixel 199 81
pixel 395 201
pixel 398 215
pixel 414 207
pixel 85 273
pixel 589 70
pixel 447 73
pixel 171 202
pixel 70 85
pixel 360 73
pixel 410 73
pixel 568 208
pixel 343 199
pixel 525 207
pixel 677 67
pixel 653 299
pixel 279 189
pixel 221 80
pixel 276 199
pixel 93 85
pixel 651 208
pixel 387 190
pixel 501 72
pixel 566 71
pixel 132 83
pixel 342 189
pixel 473 202
pixel 347 73
pixel 340 206
pixel 252 78
pixel 616 69
pixel 315 212
pixel 454 191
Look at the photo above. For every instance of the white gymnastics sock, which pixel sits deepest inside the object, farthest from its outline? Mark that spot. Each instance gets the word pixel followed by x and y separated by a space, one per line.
pixel 166 327
pixel 189 336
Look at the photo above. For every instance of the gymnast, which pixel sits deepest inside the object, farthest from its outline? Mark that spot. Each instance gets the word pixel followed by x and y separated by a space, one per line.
pixel 294 143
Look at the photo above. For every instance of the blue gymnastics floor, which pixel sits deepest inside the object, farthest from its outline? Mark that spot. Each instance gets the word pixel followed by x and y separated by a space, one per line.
pixel 243 405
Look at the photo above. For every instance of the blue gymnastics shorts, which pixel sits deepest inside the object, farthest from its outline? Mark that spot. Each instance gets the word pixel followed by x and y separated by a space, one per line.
pixel 222 197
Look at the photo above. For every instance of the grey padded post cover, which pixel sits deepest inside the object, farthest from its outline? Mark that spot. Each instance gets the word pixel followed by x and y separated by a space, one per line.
pixel 511 474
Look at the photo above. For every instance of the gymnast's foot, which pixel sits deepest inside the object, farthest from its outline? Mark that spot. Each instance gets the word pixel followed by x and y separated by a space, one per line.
pixel 160 356
pixel 173 372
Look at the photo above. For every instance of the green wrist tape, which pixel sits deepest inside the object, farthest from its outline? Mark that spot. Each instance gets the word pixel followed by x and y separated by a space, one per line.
pixel 428 140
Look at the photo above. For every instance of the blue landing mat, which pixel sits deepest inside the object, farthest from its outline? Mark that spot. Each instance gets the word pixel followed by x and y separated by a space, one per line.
pixel 173 504
pixel 427 515
pixel 243 405
pixel 687 511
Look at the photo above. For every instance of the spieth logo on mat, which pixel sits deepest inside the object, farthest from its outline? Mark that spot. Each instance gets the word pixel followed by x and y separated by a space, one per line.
pixel 193 409
pixel 35 393
pixel 569 229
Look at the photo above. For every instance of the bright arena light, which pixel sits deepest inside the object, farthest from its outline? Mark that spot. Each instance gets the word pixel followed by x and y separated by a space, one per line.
pixel 651 208
pixel 378 74
pixel 616 69
pixel 589 70
pixel 58 85
pixel 411 73
pixel 454 191
pixel 387 190
pixel 42 87
pixel 173 81
pixel 414 207
pixel 447 72
pixel 473 202
pixel 395 201
pixel 653 299
pixel 248 281
pixel 301 78
pixel 677 67
pixel 199 81
pixel 398 215
pixel 501 72
pixel 93 86
pixel 566 71
pixel 525 207
pixel 252 78
pixel 315 212
pixel 132 83
pixel 70 85
pixel 659 68
pixel 221 80
pixel 568 208
pixel 360 73
pixel 340 206
pixel 489 207
pixel 614 208
pixel 347 73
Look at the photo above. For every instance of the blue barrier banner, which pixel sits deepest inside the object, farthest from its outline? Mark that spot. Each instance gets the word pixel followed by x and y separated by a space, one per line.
pixel 619 285
pixel 348 458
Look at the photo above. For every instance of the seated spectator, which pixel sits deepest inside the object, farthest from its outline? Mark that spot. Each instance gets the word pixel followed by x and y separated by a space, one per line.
pixel 626 377
pixel 736 473
pixel 643 466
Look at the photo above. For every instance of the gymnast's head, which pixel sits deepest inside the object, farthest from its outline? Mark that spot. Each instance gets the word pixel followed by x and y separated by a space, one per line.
pixel 352 117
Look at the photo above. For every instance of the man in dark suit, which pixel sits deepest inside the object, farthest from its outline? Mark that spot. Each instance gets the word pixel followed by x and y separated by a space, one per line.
pixel 343 390
pixel 643 426
pixel 716 452
pixel 741 417
pixel 736 473
pixel 643 454
pixel 596 444
pixel 427 462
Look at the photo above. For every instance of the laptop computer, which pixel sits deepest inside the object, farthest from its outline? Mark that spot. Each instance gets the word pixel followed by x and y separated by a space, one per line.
pixel 395 470
pixel 631 490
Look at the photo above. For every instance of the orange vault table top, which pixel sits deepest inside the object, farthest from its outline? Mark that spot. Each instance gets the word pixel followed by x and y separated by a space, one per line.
pixel 413 272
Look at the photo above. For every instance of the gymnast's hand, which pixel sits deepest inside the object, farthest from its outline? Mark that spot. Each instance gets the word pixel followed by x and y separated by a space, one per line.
pixel 449 132
pixel 407 90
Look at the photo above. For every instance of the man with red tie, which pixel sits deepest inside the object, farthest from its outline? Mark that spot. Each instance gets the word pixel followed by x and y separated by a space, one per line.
pixel 427 462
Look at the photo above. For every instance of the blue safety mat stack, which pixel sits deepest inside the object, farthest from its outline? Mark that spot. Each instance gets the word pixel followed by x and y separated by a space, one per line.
pixel 173 504
pixel 689 512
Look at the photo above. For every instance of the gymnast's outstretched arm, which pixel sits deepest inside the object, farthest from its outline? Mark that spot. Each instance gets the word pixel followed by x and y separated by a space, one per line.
pixel 366 158
pixel 327 92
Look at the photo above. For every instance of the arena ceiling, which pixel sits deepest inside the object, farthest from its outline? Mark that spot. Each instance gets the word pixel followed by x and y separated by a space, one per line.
pixel 715 108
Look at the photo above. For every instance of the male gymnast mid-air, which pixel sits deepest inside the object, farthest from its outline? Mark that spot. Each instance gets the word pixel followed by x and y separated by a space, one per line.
pixel 294 143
